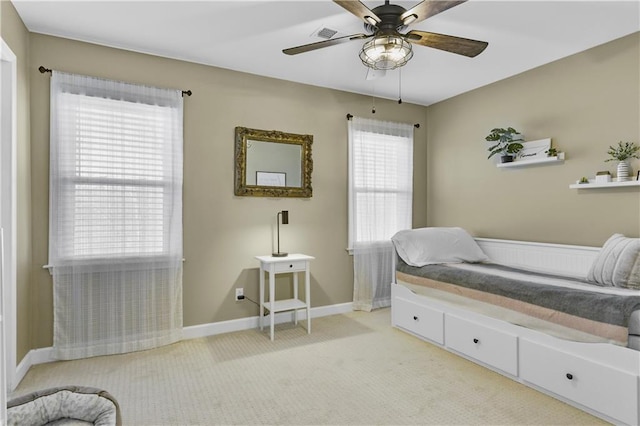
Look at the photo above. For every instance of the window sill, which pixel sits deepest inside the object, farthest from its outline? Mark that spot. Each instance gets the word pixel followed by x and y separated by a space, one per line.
pixel 118 261
pixel 371 245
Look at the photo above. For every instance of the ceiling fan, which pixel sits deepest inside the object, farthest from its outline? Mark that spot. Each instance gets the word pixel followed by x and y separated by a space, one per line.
pixel 388 48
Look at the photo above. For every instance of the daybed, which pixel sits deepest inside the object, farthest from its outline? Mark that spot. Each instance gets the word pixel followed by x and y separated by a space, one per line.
pixel 553 317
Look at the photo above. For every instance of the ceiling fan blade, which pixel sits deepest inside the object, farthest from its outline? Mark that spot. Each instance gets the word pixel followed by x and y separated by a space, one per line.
pixel 322 44
pixel 458 45
pixel 360 10
pixel 426 9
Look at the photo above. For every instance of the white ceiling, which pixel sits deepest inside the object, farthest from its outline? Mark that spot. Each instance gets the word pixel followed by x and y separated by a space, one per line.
pixel 249 36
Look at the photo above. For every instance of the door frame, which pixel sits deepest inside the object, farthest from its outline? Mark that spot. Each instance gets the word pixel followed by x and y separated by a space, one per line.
pixel 8 216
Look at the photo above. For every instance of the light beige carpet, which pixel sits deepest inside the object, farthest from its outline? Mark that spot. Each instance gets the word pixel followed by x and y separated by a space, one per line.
pixel 352 369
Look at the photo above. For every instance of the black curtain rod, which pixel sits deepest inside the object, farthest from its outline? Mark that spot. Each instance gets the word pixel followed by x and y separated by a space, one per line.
pixel 43 70
pixel 350 116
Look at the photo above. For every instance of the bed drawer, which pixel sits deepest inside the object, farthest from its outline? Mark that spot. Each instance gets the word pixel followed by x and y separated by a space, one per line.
pixel 419 319
pixel 602 388
pixel 489 346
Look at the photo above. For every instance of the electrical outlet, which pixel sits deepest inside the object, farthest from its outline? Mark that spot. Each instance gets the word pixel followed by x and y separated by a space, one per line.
pixel 239 294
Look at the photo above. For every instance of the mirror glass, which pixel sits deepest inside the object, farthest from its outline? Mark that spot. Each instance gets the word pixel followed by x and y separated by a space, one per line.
pixel 272 163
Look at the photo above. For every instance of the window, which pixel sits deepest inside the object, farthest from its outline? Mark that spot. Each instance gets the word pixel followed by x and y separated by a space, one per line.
pixel 115 216
pixel 115 173
pixel 381 179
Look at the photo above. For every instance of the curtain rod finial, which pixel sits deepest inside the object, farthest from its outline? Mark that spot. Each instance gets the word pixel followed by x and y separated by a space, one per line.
pixel 43 69
pixel 187 92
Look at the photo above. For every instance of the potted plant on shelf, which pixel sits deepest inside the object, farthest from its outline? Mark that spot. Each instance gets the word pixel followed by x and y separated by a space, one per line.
pixel 623 153
pixel 509 143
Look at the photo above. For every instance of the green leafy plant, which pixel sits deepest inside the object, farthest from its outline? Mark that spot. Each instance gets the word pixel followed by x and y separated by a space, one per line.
pixel 506 142
pixel 624 151
pixel 551 152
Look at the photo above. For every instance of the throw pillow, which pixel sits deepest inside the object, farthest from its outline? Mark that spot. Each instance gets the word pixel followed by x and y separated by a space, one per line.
pixel 428 246
pixel 617 263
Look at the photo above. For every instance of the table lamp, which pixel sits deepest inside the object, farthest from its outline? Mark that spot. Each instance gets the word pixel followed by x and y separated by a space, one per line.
pixel 285 221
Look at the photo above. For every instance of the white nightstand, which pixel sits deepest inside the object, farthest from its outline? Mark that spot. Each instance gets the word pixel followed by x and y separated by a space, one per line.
pixel 280 265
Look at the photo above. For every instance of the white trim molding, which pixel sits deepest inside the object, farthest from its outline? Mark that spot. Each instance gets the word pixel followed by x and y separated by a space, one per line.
pixel 8 215
pixel 211 329
pixel 45 355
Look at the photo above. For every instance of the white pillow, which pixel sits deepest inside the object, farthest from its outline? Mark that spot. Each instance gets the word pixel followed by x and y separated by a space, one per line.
pixel 429 246
pixel 617 263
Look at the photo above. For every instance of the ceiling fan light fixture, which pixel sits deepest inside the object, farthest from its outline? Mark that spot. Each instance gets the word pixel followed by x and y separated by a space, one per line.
pixel 386 52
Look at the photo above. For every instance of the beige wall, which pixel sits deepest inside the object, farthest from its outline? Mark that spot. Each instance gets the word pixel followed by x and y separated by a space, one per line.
pixel 16 36
pixel 222 233
pixel 585 103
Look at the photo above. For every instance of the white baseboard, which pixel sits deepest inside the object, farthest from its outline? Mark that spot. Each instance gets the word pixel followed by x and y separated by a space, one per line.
pixel 45 355
pixel 211 329
pixel 33 357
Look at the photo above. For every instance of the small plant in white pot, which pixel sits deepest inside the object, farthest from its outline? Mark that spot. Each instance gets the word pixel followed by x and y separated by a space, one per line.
pixel 509 143
pixel 623 153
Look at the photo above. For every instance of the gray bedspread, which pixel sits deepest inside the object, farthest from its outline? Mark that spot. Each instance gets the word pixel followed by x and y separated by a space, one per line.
pixel 609 308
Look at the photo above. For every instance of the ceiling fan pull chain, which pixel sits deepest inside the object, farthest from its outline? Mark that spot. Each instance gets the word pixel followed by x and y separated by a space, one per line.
pixel 400 86
pixel 373 99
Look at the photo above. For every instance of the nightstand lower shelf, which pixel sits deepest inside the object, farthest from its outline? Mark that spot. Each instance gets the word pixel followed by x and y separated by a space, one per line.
pixel 285 305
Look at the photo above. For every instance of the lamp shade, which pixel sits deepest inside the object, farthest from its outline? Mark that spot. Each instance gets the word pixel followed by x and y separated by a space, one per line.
pixel 386 52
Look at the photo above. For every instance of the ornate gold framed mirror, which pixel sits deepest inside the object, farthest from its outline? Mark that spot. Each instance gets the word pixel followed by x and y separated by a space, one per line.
pixel 269 163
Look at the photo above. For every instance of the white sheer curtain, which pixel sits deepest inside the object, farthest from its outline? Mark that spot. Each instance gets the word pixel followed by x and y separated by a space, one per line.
pixel 115 216
pixel 380 203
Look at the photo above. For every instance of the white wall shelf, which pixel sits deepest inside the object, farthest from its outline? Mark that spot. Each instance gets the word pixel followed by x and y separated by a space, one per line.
pixel 593 185
pixel 536 162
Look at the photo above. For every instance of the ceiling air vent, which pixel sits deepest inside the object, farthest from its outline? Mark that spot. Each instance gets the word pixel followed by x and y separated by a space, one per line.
pixel 326 33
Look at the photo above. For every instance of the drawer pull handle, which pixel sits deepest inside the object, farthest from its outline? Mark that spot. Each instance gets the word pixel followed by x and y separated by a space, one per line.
pixel 569 376
pixel 290 266
pixel 475 340
pixel 415 318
